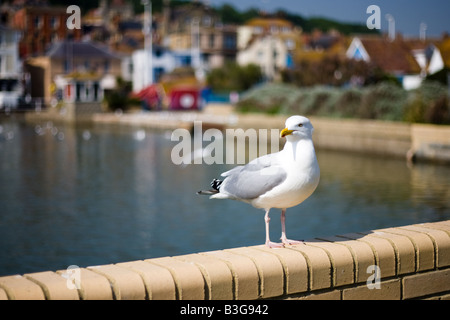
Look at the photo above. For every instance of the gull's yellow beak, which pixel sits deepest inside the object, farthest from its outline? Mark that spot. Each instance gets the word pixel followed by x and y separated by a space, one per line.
pixel 285 132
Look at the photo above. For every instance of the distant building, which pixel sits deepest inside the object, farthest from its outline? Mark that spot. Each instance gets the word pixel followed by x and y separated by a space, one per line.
pixel 320 41
pixel 410 60
pixel 427 55
pixel 269 53
pixel 78 71
pixel 10 68
pixel 110 23
pixel 269 43
pixel 267 26
pixel 163 61
pixel 393 57
pixel 41 26
pixel 197 27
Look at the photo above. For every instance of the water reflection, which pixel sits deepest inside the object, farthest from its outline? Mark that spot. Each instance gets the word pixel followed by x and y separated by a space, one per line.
pixel 430 189
pixel 363 192
pixel 97 194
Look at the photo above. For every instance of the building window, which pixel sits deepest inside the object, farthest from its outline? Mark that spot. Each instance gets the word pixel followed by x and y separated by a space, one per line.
pixel 97 94
pixel 8 85
pixel 158 52
pixel 185 60
pixel 89 92
pixel 211 40
pixel 290 44
pixel 54 22
pixel 66 66
pixel 257 30
pixel 37 22
pixel 9 63
pixel 230 41
pixel 157 73
pixel 358 55
pixel 106 65
pixel 131 67
pixel 79 86
pixel 207 21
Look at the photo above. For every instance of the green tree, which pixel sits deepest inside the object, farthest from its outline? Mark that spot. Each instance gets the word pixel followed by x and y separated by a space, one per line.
pixel 119 98
pixel 233 77
pixel 428 104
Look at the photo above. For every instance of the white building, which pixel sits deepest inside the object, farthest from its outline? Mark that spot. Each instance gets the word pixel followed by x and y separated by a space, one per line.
pixel 270 53
pixel 429 59
pixel 162 61
pixel 10 68
pixel 267 42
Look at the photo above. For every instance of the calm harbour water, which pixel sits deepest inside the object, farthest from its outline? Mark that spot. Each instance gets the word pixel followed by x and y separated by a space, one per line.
pixel 98 195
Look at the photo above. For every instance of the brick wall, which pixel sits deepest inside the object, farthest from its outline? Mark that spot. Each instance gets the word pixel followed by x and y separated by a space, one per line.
pixel 413 262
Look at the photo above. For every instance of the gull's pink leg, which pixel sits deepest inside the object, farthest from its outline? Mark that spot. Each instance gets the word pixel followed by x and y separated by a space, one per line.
pixel 285 240
pixel 269 243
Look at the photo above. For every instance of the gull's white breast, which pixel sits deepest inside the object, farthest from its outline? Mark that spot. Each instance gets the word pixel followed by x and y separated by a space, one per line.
pixel 303 175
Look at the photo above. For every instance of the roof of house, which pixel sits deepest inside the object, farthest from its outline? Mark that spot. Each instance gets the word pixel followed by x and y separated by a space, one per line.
pixel 391 56
pixel 444 48
pixel 269 22
pixel 79 49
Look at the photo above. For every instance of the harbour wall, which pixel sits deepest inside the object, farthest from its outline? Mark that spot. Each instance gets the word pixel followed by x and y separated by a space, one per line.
pixel 414 142
pixel 398 263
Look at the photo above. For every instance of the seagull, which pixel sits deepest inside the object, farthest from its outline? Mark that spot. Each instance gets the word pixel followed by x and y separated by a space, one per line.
pixel 279 180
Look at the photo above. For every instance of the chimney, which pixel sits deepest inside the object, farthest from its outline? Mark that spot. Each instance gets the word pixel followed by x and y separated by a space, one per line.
pixel 423 31
pixel 391 30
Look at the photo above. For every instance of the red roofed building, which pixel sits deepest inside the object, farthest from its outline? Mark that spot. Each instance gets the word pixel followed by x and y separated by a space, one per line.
pixel 393 57
pixel 40 26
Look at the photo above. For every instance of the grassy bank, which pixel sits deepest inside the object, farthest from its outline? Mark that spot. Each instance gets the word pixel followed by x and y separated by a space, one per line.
pixel 384 101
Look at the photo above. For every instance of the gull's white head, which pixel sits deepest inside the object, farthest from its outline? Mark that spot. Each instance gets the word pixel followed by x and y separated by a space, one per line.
pixel 297 127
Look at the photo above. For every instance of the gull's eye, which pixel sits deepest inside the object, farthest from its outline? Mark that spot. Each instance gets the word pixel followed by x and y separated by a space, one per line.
pixel 300 125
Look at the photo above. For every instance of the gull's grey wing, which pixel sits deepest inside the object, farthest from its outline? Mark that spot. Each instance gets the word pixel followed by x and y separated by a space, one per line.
pixel 254 179
pixel 258 163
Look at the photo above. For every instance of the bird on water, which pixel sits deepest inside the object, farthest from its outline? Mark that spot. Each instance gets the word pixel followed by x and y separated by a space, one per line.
pixel 279 180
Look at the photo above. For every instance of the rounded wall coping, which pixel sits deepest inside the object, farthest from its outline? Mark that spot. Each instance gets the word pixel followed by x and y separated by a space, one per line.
pixel 404 262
